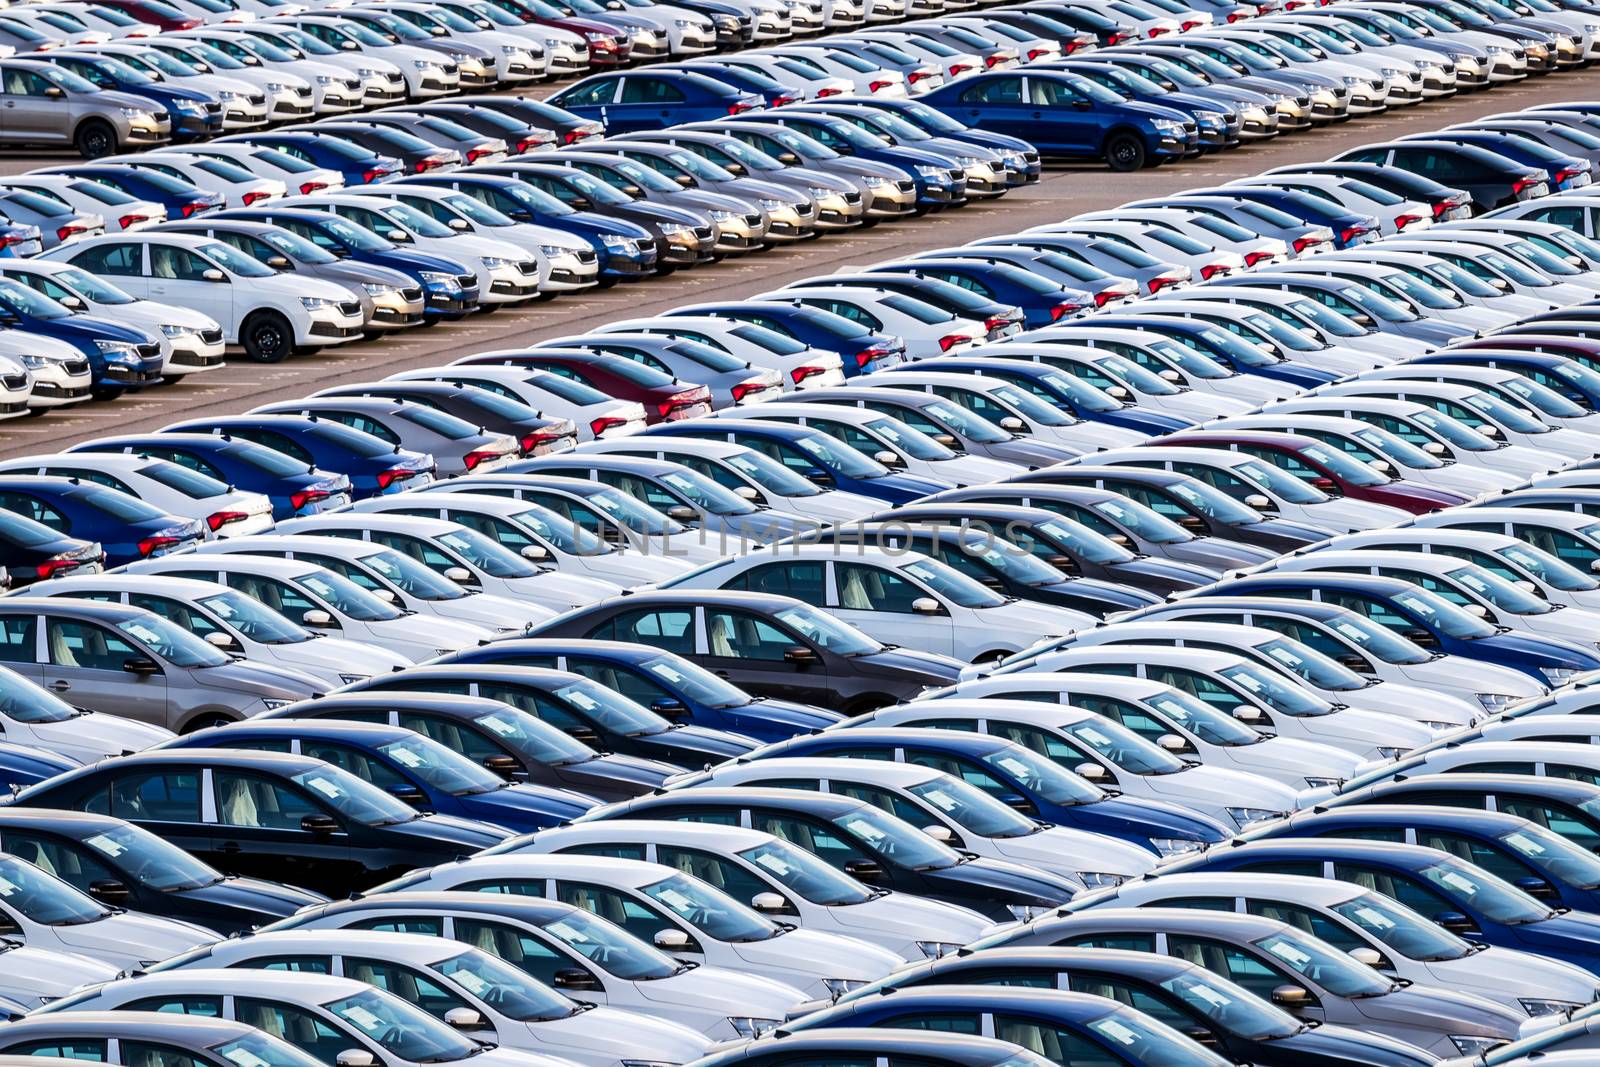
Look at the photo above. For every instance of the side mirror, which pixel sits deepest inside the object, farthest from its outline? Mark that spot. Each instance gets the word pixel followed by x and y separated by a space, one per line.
pixel 1477 609
pixel 1422 638
pixel 72 302
pixel 1355 662
pixel 399 237
pixel 1382 466
pixel 1117 392
pixel 464 1019
pixel 318 823
pixel 1248 713
pixel 947 439
pixel 1174 743
pixel 55 92
pixel 1433 448
pixel 864 870
pixel 632 190
pixel 141 665
pixel 671 940
pixel 1488 430
pixel 1092 772
pixel 669 707
pixel 407 792
pixel 1527 586
pixel 1012 423
pixel 1500 284
pixel 1537 887
pixel 457 224
pixel 504 766
pixel 212 274
pixel 355 1057
pixel 459 575
pixel 1259 501
pixel 682 513
pixel 770 904
pixel 388 596
pixel 1171 375
pixel 887 458
pixel 108 891
pixel 279 262
pixel 1455 922
pixel 1291 996
pixel 219 639
pixel 788 157
pixel 317 617
pixel 685 180
pixel 925 605
pixel 939 833
pixel 573 978
pixel 800 655
pixel 534 552
pixel 1369 956
pixel 747 493
pixel 1594 565
pixel 1364 320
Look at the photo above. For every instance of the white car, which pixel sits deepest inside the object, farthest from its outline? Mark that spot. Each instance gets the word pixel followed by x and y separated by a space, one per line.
pixel 270 315
pixel 297 175
pixel 34 717
pixel 680 914
pixel 191 342
pixel 235 623
pixel 516 59
pixel 427 74
pixel 581 952
pixel 597 416
pixel 276 46
pixel 1394 213
pixel 948 809
pixel 1209 230
pixel 928 331
pixel 1484 412
pixel 290 96
pixel 1205 261
pixel 1176 362
pixel 321 601
pixel 244 107
pixel 34 977
pixel 801 366
pixel 512 1009
pixel 310 1010
pixel 866 78
pixel 122 213
pixel 900 598
pixel 175 489
pixel 1118 376
pixel 806 79
pixel 1009 406
pixel 393 577
pixel 58 373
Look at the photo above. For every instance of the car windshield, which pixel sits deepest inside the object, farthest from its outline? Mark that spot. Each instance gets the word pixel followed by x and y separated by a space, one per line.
pixel 1079 539
pixel 1192 363
pixel 1325 318
pixel 441 767
pixel 1345 466
pixel 1275 691
pixel 25 301
pixel 710 911
pixel 1122 747
pixel 1135 1035
pixel 563 533
pixel 411 577
pixel 256 1049
pixel 1321 963
pixel 1043 777
pixel 91 287
pixel 254 619
pixel 964 423
pixel 895 840
pixel 1484 585
pixel 805 875
pixel 1395 447
pixel 353 798
pixel 1457 433
pixel 1208 500
pixel 296 247
pixel 1237 348
pixel 1547 568
pixel 1146 524
pixel 1011 560
pixel 1539 397
pixel 171 642
pixel 838 456
pixel 120 505
pixel 1480 892
pixel 1203 720
pixel 972 809
pixel 1280 483
pixel 533 739
pixel 1044 412
pixel 235 261
pixel 770 474
pixel 346 597
pixel 484 554
pixel 1311 665
pixel 611 949
pixel 611 709
pixel 912 442
pixel 694 682
pixel 636 516
pixel 705 493
pixel 951 584
pixel 831 633
pixel 1401 929
pixel 22 701
pixel 43 898
pixel 150 860
pixel 1434 610
pixel 1554 856
pixel 1234 1009
pixel 357 237
pixel 508 990
pixel 1505 413
pixel 400 1028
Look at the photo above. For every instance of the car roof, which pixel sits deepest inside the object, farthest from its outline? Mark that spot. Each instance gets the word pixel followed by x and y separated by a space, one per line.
pixel 960 740
pixel 1325 892
pixel 400 948
pixel 129 1025
pixel 270 565
pixel 371 733
pixel 68 822
pixel 901 775
pixel 1051 681
pixel 874 1041
pixel 183 588
pixel 1472 782
pixel 328 545
pixel 535 910
pixel 1164 920
pixel 291 985
pixel 729 838
pixel 799 800
pixel 83 609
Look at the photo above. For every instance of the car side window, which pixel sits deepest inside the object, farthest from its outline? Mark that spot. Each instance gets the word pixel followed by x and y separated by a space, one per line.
pixel 426 926
pixel 956 767
pixel 1227 960
pixel 638 90
pixel 809 834
pixel 591 95
pixel 34 508
pixel 1408 891
pixel 1132 716
pixel 250 801
pixel 1050 93
pixel 469 742
pixel 279 596
pixel 520 949
pixel 726 875
pixel 406 983
pixel 298 964
pixel 299 1027
pixel 19 642
pixel 632 915
pixel 941 1022
pixel 207 1007
pixel 633 684
pixel 178 612
pixel 80 1049
pixel 124 260
pixel 361 764
pixel 801 579
pixel 1307 920
pixel 1555 818
pixel 171 796
pixel 1196 684
pixel 864 587
pixel 150 1054
pixel 668 630
pixel 186 459
pixel 65 861
pixel 1047 743
pixel 84 644
pixel 741 635
pixel 178 264
pixel 997 91
pixel 885 799
pixel 1124 942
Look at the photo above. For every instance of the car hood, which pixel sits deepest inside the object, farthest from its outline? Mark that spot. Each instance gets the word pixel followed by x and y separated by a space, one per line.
pixel 1567 931
pixel 83 329
pixel 1155 818
pixel 1339 1045
pixel 1030 621
pixel 914 918
pixel 1289 528
pixel 1057 848
pixel 813 955
pixel 273 900
pixel 93 735
pixel 486 609
pixel 1136 109
pixel 606 1034
pixel 637 568
pixel 1463 672
pixel 1397 698
pixel 1218 787
pixel 988 877
pixel 612 769
pixel 1440 1009
pixel 895 661
pixel 151 315
pixel 1358 726
pixel 451 636
pixel 441 831
pixel 1165 570
pixel 335 654
pixel 765 714
pixel 715 743
pixel 524 804
pixel 129 938
pixel 743 994
pixel 1306 758
pixel 260 679
pixel 30 974
pixel 1497 972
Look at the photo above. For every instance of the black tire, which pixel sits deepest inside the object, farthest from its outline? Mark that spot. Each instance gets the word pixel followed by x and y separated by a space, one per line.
pixel 206 721
pixel 1125 152
pixel 267 337
pixel 95 138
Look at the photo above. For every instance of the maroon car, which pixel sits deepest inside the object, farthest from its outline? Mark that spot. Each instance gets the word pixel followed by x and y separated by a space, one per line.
pixel 665 399
pixel 1322 465
pixel 154 12
pixel 608 43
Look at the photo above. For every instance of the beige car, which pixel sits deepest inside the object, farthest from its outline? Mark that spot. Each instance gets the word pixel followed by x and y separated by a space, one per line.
pixel 41 104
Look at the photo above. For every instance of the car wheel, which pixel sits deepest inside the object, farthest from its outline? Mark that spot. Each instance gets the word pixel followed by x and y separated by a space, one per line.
pixel 205 722
pixel 1125 152
pixel 870 702
pixel 95 138
pixel 267 337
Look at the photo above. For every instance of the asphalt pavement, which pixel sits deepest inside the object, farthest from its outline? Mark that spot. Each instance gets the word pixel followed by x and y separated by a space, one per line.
pixel 1065 191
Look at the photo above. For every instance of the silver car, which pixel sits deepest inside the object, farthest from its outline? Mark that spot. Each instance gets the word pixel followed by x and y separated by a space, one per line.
pixel 45 105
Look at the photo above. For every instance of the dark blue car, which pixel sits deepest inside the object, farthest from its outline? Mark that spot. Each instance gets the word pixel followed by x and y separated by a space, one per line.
pixel 1460 896
pixel 126 527
pixel 1564 169
pixel 653 99
pixel 932 120
pixel 293 488
pixel 1217 124
pixel 1423 617
pixel 1565 805
pixel 449 288
pixel 772 93
pixel 1022 779
pixel 940 180
pixel 1536 860
pixel 860 350
pixel 1060 389
pixel 667 684
pixel 120 357
pixel 409 766
pixel 360 166
pixel 195 114
pixel 1220 345
pixel 24 765
pixel 1349 228
pixel 373 466
pixel 1041 301
pixel 182 200
pixel 1064 115
pixel 625 249
pixel 812 454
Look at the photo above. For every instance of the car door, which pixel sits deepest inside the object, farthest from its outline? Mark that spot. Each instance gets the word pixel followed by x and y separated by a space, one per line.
pixel 121 261
pixel 79 866
pixel 1064 117
pixel 535 956
pixel 296 1025
pixel 27 114
pixel 826 842
pixel 643 920
pixel 259 831
pixel 19 645
pixel 592 101
pixel 767 658
pixel 95 667
pixel 167 801
pixel 884 603
pixel 187 279
pixel 998 105
pixel 646 102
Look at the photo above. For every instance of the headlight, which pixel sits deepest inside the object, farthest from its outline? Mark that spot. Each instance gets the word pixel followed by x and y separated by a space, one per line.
pixel 369 72
pixel 136 113
pixel 176 331
pixel 274 703
pixel 1243 817
pixel 188 107
pixel 721 215
pixel 1536 1006
pixel 1495 701
pixel 877 181
pixel 1175 846
pixel 1440 727
pixel 1351 79
pixel 935 949
pixel 494 262
pixel 510 50
pixel 1389 752
pixel 424 64
pixel 930 171
pixel 229 94
pixel 114 348
pixel 619 243
pixel 771 205
pixel 818 192
pixel 682 24
pixel 1026 912
pixel 966 161
pixel 1101 879
pixel 434 277
pixel 36 362
pixel 276 87
pixel 327 79
pixel 1170 127
pixel 352 679
pixel 378 289
pixel 315 303
pixel 1322 783
pixel 673 229
pixel 1213 117
pixel 1557 676
pixel 748 1027
pixel 1471 1046
pixel 727 22
pixel 551 251
pixel 1496 50
pixel 838 987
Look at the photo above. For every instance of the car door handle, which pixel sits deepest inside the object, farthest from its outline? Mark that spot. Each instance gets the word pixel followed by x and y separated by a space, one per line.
pixel 60 686
pixel 230 848
pixel 720 674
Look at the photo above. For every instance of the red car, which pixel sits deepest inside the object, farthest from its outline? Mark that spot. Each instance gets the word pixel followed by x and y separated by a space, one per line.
pixel 154 12
pixel 1324 466
pixel 665 399
pixel 608 43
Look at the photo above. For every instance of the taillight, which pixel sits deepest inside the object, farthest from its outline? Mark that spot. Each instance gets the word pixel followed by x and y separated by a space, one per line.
pixel 49 567
pixel 878 86
pixel 1118 37
pixel 1234 16
pixel 1564 173
pixel 370 175
pixel 744 389
pixel 477 456
pixel 475 154
pixel 740 107
pixel 867 355
pixel 151 545
pixel 300 499
pixel 800 374
pixel 307 188
pixel 193 208
pixel 991 60
pixel 131 220
pixel 1161 281
pixel 1252 258
pixel 218 519
pixel 829 92
pixel 1071 46
pixel 1103 295
pixel 1211 270
pixel 1035 53
pixel 425 165
pixel 917 75
pixel 1157 31
pixel 604 423
pixel 950 340
pixel 1523 183
pixel 569 136
pixel 395 474
pixel 251 197
pixel 1067 307
pixel 63 232
pixel 1402 221
pixel 959 68
pixel 1350 233
pixel 531 441
pixel 679 401
pixel 1303 243
pixel 779 101
pixel 1191 24
pixel 996 322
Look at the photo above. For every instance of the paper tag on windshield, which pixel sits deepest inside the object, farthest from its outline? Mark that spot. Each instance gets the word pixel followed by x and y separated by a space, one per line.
pixel 568 933
pixel 244 1057
pixel 668 672
pixel 1116 1031
pixel 406 756
pixel 7 887
pixel 362 1017
pixel 1211 996
pixel 1093 736
pixel 776 864
pixel 1458 882
pixel 103 844
pixel 1290 954
pixel 943 800
pixel 1525 844
pixel 498 725
pixel 675 900
pixel 470 982
pixel 1373 917
pixel 325 787
pixel 582 699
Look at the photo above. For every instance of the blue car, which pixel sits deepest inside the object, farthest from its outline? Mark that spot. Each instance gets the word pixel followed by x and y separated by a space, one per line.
pixel 653 99
pixel 449 288
pixel 126 527
pixel 24 765
pixel 1564 170
pixel 1022 779
pixel 1423 617
pixel 373 466
pixel 120 357
pixel 182 200
pixel 1216 123
pixel 1060 389
pixel 405 764
pixel 1025 169
pixel 1460 896
pixel 1567 806
pixel 360 166
pixel 940 180
pixel 772 93
pixel 859 349
pixel 1536 860
pixel 1349 228
pixel 667 684
pixel 195 114
pixel 812 454
pixel 1220 345
pixel 625 249
pixel 1067 116
pixel 293 488
pixel 1571 378
pixel 1042 301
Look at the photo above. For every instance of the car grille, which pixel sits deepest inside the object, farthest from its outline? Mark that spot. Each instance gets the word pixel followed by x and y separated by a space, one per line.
pixel 213 108
pixel 905 186
pixel 1190 126
pixel 411 292
pixel 1448 68
pixel 349 307
pixel 353 84
pixel 1303 101
pixel 467 281
pixel 257 98
pixel 528 266
pixel 1519 53
pixel 752 220
pixel 703 232
pixel 75 366
pixel 587 255
pixel 852 198
pixel 14 381
pixel 1340 93
pixel 1031 156
pixel 211 337
pixel 647 244
pixel 149 351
